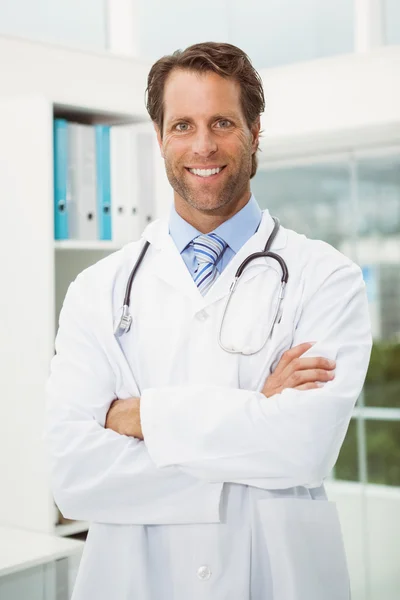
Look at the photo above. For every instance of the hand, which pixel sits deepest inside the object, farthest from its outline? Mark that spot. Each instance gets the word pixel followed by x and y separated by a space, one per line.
pixel 299 373
pixel 124 417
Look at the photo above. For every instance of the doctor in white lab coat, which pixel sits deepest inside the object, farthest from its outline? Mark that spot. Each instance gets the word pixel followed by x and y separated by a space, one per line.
pixel 201 471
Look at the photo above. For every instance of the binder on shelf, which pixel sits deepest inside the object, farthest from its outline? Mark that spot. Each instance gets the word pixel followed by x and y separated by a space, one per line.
pixel 164 193
pixel 124 185
pixel 154 190
pixel 145 163
pixel 60 157
pixel 103 179
pixel 81 182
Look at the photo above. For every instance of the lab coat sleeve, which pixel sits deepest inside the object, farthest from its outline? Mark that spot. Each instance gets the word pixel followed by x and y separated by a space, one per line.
pixel 292 438
pixel 97 474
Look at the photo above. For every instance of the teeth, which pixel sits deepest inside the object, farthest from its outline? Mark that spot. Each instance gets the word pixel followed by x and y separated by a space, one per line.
pixel 205 172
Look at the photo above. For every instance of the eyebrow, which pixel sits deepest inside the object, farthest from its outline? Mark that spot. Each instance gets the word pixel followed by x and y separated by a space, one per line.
pixel 216 117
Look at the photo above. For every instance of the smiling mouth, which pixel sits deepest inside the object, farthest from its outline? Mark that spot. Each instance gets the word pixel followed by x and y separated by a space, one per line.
pixel 206 173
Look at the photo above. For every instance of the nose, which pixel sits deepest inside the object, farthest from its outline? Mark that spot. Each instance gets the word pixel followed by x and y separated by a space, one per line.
pixel 204 143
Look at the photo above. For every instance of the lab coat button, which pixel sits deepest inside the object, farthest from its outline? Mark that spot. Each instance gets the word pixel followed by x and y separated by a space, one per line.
pixel 204 572
pixel 202 315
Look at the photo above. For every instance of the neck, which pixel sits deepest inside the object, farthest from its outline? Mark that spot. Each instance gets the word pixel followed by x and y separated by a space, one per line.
pixel 206 221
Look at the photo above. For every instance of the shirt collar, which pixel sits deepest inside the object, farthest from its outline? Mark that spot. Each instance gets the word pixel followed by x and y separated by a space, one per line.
pixel 235 231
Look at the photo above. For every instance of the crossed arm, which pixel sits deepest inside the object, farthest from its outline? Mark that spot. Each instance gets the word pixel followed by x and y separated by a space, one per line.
pixel 103 471
pixel 292 371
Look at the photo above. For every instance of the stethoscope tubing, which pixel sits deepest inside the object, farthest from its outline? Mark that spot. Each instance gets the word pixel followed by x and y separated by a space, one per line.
pixel 125 320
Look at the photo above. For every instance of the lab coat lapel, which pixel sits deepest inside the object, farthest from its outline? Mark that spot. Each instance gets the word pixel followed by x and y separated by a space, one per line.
pixel 169 266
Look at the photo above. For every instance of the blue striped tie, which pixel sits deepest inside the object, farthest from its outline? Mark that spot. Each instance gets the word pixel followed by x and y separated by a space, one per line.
pixel 207 248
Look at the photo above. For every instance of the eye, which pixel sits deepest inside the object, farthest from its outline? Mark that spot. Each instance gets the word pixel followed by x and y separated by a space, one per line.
pixel 182 126
pixel 224 123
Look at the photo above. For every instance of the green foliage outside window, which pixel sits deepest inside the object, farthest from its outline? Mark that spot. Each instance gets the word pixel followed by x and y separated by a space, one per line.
pixel 347 464
pixel 382 384
pixel 381 389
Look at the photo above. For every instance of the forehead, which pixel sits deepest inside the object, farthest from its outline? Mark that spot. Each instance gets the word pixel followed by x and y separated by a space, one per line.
pixel 198 95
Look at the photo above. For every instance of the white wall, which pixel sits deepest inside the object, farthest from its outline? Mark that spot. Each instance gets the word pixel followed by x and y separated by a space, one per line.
pixel 335 103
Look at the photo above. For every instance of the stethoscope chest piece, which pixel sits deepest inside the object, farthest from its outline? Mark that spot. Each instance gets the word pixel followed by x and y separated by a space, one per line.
pixel 123 322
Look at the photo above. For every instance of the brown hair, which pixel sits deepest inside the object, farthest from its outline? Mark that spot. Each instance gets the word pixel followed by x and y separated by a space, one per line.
pixel 224 59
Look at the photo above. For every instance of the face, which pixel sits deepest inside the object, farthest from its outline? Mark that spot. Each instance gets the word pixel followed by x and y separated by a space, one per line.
pixel 206 144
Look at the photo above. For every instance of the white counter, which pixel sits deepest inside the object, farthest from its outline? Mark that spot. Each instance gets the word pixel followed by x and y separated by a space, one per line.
pixel 21 549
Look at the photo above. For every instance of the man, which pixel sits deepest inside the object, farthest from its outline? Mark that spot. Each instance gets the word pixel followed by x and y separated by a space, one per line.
pixel 200 469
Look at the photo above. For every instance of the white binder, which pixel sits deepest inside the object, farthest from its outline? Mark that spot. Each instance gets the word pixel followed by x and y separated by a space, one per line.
pixel 155 191
pixel 124 184
pixel 81 182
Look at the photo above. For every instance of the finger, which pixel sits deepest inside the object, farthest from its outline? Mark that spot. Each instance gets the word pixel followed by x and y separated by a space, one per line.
pixel 313 362
pixel 304 364
pixel 309 386
pixel 291 354
pixel 309 376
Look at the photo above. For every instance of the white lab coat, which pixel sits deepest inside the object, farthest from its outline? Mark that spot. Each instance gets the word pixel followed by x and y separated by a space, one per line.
pixel 224 499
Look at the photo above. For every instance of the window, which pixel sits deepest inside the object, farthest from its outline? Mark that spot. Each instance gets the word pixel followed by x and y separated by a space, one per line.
pixel 179 24
pixel 272 32
pixel 313 199
pixel 383 452
pixel 391 12
pixel 66 22
pixel 355 206
pixel 347 465
pixel 281 32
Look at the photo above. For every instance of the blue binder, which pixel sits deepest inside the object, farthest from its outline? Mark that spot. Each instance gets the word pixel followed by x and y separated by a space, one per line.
pixel 60 179
pixel 103 184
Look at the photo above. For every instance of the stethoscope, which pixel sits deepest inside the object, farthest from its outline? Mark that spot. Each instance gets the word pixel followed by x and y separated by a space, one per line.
pixel 124 323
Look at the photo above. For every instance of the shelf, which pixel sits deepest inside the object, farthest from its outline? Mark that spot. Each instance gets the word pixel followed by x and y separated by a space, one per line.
pixel 71 528
pixel 87 245
pixel 74 80
pixel 90 116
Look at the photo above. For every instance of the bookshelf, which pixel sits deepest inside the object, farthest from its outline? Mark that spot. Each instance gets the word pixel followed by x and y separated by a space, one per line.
pixel 95 86
pixel 43 82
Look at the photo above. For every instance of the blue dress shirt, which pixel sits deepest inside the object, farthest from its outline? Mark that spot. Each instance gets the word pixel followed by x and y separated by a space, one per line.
pixel 235 232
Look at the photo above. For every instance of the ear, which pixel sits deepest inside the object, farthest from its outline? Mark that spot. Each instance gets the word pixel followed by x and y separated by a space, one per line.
pixel 255 132
pixel 159 138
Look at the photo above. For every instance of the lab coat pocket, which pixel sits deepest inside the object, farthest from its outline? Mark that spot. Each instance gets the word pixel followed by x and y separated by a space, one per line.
pixel 305 548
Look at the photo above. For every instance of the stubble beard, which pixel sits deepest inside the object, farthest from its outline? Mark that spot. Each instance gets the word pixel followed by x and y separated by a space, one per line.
pixel 233 188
